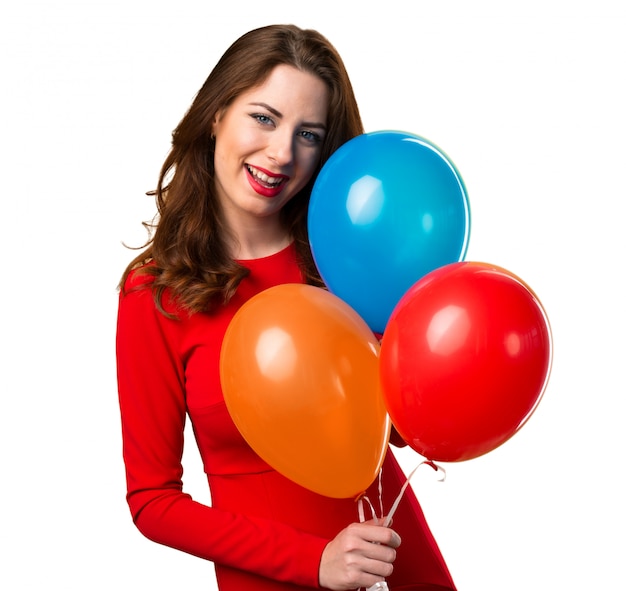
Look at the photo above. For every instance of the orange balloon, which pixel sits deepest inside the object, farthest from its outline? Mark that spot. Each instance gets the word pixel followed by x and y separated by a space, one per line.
pixel 300 377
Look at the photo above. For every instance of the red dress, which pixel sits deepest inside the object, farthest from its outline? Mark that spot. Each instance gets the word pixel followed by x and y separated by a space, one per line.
pixel 263 532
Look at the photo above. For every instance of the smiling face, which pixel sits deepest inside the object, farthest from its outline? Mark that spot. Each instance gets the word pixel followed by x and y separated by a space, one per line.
pixel 268 144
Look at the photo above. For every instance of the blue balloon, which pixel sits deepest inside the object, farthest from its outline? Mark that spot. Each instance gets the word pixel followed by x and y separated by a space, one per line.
pixel 387 208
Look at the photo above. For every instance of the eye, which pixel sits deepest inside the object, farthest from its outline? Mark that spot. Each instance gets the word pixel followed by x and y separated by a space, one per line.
pixel 311 136
pixel 262 118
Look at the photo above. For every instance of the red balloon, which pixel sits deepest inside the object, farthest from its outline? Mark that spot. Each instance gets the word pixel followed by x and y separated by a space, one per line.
pixel 464 360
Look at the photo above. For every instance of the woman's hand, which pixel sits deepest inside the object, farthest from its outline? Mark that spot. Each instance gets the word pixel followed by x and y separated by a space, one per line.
pixel 360 555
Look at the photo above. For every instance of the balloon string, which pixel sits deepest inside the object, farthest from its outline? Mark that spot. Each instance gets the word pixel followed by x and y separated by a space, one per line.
pixel 382 585
pixel 360 502
pixel 364 498
pixel 379 586
pixel 380 492
pixel 434 466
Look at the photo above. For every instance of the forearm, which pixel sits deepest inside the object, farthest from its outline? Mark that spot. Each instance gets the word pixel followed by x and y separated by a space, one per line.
pixel 260 546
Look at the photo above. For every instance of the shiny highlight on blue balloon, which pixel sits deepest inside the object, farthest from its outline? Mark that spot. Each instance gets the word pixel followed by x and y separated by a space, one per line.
pixel 387 208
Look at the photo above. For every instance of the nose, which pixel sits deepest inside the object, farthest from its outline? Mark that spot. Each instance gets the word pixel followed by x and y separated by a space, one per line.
pixel 280 148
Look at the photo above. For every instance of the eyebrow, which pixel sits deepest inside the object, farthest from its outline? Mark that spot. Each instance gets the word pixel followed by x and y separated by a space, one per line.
pixel 278 114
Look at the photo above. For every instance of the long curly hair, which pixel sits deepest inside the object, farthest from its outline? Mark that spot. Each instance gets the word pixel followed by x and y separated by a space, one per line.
pixel 186 252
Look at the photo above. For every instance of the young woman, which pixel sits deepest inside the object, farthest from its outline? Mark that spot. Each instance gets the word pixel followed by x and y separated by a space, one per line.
pixel 232 202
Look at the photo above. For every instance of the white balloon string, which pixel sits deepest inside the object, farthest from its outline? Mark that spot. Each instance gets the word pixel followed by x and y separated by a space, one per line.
pixel 360 504
pixel 434 466
pixel 379 586
pixel 382 585
pixel 380 493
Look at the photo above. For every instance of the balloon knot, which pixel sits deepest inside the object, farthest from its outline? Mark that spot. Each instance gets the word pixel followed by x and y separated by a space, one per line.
pixel 436 468
pixel 360 496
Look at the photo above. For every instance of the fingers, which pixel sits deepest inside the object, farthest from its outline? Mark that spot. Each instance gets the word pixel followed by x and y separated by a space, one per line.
pixel 377 534
pixel 360 555
pixel 376 567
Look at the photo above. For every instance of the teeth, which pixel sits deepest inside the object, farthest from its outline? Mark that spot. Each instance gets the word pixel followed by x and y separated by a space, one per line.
pixel 261 176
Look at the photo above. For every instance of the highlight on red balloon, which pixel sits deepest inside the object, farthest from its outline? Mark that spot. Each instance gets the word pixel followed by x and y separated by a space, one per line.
pixel 465 360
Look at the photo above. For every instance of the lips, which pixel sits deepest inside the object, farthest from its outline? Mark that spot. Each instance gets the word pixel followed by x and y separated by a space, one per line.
pixel 265 182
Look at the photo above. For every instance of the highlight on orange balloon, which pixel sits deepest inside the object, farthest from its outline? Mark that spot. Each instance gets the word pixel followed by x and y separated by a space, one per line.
pixel 300 376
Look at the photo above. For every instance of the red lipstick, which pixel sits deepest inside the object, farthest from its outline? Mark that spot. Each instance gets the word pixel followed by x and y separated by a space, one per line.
pixel 264 182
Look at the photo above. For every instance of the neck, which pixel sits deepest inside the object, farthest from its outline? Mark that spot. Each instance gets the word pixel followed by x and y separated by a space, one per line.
pixel 250 250
pixel 254 237
pixel 256 241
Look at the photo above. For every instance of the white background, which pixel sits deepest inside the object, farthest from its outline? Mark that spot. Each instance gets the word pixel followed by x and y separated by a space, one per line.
pixel 527 99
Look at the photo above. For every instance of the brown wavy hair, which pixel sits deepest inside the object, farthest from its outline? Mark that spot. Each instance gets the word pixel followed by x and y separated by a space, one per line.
pixel 186 252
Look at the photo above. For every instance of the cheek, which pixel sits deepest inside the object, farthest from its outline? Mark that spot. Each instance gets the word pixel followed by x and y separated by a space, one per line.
pixel 247 142
pixel 308 163
pixel 233 148
pixel 220 163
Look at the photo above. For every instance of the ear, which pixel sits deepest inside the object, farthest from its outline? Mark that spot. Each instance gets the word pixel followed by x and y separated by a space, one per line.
pixel 215 124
